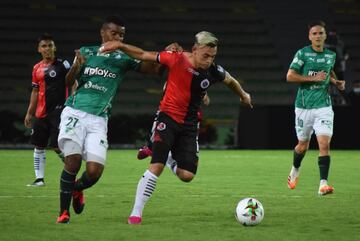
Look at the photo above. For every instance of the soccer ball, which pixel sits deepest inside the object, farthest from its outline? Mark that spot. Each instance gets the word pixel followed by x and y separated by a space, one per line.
pixel 249 212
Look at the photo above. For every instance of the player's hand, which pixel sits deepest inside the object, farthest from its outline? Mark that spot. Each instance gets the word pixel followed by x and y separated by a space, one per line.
pixel 340 84
pixel 246 99
pixel 320 76
pixel 174 47
pixel 79 59
pixel 27 120
pixel 111 46
pixel 206 99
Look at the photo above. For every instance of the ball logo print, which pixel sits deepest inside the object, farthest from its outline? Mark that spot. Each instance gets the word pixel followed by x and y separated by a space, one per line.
pixel 249 212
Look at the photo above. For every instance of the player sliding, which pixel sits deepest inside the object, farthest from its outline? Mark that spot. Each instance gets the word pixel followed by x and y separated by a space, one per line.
pixel 190 75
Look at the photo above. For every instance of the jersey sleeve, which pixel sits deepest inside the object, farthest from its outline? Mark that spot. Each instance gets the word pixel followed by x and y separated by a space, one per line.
pixel 298 61
pixel 220 73
pixel 35 81
pixel 133 64
pixel 167 58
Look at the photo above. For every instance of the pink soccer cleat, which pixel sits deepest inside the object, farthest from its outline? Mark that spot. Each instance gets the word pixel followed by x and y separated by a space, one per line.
pixel 144 152
pixel 134 220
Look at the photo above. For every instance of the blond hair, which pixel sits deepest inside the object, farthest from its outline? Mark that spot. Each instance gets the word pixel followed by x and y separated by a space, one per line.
pixel 205 38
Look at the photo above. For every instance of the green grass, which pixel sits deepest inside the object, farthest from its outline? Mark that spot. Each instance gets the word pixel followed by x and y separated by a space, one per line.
pixel 200 210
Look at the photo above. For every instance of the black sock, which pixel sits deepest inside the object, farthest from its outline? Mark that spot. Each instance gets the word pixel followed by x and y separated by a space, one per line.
pixel 67 182
pixel 324 165
pixel 84 182
pixel 297 159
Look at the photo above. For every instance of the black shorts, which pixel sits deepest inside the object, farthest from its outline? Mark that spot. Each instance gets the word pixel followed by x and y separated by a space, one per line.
pixel 45 128
pixel 180 139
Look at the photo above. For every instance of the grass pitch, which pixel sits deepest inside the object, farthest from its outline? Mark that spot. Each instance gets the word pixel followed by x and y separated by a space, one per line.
pixel 202 210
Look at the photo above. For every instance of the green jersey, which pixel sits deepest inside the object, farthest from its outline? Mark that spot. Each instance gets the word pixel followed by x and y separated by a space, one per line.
pixel 99 79
pixel 309 62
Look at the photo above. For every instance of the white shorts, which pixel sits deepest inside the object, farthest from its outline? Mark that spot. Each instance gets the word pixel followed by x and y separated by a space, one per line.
pixel 307 121
pixel 87 130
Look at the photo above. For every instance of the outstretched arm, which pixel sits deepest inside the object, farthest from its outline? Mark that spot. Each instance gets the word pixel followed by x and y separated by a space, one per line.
pixel 235 86
pixel 132 51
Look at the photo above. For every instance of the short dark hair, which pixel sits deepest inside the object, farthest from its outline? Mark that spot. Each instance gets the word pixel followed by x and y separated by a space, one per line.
pixel 316 23
pixel 113 19
pixel 45 36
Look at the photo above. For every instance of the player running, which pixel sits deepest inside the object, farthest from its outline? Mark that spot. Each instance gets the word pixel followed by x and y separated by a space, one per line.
pixel 190 75
pixel 83 127
pixel 312 67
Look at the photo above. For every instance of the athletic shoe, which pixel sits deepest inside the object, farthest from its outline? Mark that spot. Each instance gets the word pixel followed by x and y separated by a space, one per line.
pixel 293 178
pixel 144 152
pixel 39 182
pixel 64 217
pixel 325 189
pixel 134 220
pixel 78 202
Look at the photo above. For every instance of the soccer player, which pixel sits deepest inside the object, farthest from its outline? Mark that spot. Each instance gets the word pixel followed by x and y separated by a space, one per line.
pixel 47 100
pixel 312 68
pixel 190 75
pixel 83 126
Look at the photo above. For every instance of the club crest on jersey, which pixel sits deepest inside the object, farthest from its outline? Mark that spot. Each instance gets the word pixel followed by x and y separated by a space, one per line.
pixel 161 126
pixel 52 73
pixel 205 84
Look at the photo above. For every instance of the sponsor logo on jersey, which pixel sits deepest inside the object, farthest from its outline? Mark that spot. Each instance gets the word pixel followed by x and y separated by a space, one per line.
pixel 205 83
pixel 52 73
pixel 312 72
pixel 310 54
pixel 100 72
pixel 329 56
pixel 220 68
pixel 298 61
pixel 90 85
pixel 322 60
pixel 194 72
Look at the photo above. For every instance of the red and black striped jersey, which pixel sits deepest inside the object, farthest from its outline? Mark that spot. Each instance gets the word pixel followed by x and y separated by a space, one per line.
pixel 49 78
pixel 186 86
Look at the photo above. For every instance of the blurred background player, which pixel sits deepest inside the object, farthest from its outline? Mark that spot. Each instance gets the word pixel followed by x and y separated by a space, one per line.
pixel 312 67
pixel 190 75
pixel 83 127
pixel 47 100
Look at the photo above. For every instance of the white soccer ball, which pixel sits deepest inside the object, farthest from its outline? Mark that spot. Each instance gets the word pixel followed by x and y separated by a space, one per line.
pixel 249 212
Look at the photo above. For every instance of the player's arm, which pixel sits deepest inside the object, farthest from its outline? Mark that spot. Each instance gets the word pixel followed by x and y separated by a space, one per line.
pixel 32 107
pixel 150 67
pixel 294 77
pixel 235 86
pixel 74 71
pixel 131 50
pixel 340 84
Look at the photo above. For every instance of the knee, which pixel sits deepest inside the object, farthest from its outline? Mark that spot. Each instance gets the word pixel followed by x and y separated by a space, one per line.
pixel 73 163
pixel 301 148
pixel 94 174
pixel 185 176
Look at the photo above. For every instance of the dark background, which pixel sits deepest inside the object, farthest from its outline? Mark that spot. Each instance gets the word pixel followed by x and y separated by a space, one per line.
pixel 257 42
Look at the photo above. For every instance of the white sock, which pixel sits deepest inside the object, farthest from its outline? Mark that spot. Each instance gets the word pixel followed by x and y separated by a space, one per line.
pixel 323 182
pixel 171 163
pixel 39 163
pixel 294 172
pixel 145 188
